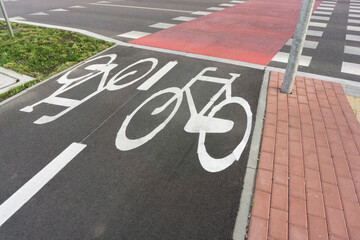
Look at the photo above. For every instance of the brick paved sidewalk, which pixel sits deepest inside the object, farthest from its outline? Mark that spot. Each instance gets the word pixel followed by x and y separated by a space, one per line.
pixel 308 178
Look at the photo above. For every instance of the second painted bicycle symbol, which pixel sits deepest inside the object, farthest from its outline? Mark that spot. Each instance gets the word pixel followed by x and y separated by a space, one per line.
pixel 201 122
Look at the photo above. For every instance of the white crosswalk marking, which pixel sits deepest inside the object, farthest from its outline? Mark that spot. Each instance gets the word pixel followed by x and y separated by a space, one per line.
pixel 351 37
pixel 352 50
pixel 351 68
pixel 59 10
pixel 201 13
pixel 39 14
pixel 162 25
pixel 215 8
pixel 284 58
pixel 184 19
pixel 134 34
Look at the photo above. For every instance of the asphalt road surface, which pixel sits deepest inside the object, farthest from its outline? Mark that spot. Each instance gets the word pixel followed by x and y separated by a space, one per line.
pixel 79 159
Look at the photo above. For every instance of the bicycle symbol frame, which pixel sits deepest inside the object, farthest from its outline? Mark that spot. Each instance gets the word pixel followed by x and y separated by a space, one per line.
pixel 197 123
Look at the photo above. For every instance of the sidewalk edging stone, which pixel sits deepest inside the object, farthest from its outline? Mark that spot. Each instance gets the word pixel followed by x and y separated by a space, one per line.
pixel 249 180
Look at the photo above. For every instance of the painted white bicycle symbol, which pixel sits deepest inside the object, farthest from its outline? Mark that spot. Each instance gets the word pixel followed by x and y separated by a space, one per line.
pixel 198 122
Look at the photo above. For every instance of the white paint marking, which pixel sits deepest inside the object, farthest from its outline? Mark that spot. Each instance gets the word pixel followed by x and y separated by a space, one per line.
pixel 184 19
pixel 237 1
pixel 351 68
pixel 102 2
pixel 134 34
pixel 157 76
pixel 29 189
pixel 322 12
pixel 314 33
pixel 320 18
pixel 18 18
pixel 284 58
pixel 354 11
pixel 77 6
pixel 327 5
pixel 354 15
pixel 352 50
pixel 136 7
pixel 39 14
pixel 353 28
pixel 317 24
pixel 354 4
pixel 307 44
pixel 354 7
pixel 325 8
pixel 59 10
pixel 215 8
pixel 351 37
pixel 226 5
pixel 201 13
pixel 353 21
pixel 162 25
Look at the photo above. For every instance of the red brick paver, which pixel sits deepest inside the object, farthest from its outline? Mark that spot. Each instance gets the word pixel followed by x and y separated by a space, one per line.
pixel 308 181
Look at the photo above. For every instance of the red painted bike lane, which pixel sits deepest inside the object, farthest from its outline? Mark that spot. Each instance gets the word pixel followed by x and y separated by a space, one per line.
pixel 250 32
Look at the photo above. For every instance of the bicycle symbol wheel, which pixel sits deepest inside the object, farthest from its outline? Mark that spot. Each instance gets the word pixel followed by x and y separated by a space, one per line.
pixel 211 164
pixel 124 143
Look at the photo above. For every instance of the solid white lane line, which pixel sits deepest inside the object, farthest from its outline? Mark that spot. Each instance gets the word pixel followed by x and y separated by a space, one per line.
pixel 320 18
pixel 314 33
pixel 162 25
pixel 352 50
pixel 351 37
pixel 184 19
pixel 201 13
pixel 134 34
pixel 157 76
pixel 317 24
pixel 351 68
pixel 29 189
pixel 136 7
pixel 284 58
pixel 307 44
pixel 215 8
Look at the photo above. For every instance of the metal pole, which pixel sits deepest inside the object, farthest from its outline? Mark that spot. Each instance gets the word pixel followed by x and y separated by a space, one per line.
pixel 6 18
pixel 297 45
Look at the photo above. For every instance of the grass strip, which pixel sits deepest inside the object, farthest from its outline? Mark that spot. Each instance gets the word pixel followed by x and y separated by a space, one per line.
pixel 42 52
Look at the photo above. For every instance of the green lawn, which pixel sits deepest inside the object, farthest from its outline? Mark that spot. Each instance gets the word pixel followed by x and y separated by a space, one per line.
pixel 42 52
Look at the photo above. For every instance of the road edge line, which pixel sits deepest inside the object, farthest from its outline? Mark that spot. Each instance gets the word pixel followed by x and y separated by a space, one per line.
pixel 242 218
pixel 52 77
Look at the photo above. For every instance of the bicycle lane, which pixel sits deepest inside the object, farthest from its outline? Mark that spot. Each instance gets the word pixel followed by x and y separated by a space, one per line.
pixel 158 190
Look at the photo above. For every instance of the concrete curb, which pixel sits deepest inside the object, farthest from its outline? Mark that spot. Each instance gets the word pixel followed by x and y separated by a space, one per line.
pixel 242 218
pixel 14 76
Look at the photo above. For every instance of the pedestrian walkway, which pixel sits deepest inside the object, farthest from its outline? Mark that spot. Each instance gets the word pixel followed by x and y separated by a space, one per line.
pixel 308 179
